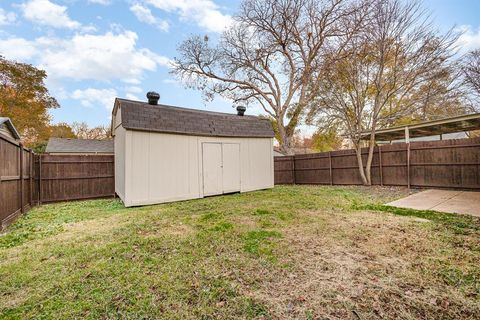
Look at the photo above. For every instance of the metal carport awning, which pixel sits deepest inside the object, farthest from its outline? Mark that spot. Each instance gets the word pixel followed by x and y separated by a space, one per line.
pixel 462 123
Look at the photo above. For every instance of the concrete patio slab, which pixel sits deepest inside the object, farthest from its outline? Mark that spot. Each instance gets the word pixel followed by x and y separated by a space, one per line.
pixel 463 202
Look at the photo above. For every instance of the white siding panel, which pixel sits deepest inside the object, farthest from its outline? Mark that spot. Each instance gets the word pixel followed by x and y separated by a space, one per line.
pixel 212 168
pixel 139 170
pixel 173 168
pixel 166 167
pixel 119 145
pixel 231 167
pixel 4 130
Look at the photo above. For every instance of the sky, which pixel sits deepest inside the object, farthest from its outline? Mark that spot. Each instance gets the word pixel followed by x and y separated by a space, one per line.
pixel 96 50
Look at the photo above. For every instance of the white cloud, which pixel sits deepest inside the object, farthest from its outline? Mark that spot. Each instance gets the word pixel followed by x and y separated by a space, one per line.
pixel 132 96
pixel 17 49
pixel 144 14
pixel 203 12
pixel 134 89
pixel 107 57
pixel 102 2
pixel 48 13
pixel 92 97
pixel 7 17
pixel 469 39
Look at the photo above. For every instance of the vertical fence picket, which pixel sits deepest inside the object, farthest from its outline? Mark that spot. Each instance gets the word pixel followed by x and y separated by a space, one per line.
pixel 380 168
pixel 30 178
pixel 330 167
pixel 39 179
pixel 408 165
pixel 22 204
pixel 441 164
pixel 293 170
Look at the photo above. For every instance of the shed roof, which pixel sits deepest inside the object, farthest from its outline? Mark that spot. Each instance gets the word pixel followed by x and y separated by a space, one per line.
pixel 462 123
pixel 137 115
pixel 61 145
pixel 8 123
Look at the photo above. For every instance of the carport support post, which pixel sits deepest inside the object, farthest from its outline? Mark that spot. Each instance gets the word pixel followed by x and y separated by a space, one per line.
pixel 407 141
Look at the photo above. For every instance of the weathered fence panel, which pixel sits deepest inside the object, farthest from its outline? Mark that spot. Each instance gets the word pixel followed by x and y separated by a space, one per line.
pixel 284 170
pixel 443 164
pixel 27 179
pixel 75 177
pixel 16 180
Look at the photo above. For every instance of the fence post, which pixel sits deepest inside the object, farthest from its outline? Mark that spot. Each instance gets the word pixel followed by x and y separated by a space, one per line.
pixel 408 165
pixel 21 177
pixel 39 179
pixel 330 163
pixel 380 164
pixel 31 179
pixel 293 170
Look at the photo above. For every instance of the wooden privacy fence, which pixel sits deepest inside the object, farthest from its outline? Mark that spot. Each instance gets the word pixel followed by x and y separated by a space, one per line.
pixel 17 186
pixel 75 177
pixel 49 178
pixel 441 164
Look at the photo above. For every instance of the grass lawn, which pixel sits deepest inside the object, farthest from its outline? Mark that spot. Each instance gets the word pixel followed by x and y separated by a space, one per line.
pixel 302 252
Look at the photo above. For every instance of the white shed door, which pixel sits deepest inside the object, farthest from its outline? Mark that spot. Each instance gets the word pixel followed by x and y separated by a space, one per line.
pixel 212 169
pixel 231 167
pixel 221 168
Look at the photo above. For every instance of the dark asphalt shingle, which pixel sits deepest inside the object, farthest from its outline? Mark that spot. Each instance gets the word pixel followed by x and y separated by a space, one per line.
pixel 142 116
pixel 61 145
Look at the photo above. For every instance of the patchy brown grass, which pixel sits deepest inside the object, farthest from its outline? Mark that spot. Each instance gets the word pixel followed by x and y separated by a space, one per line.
pixel 366 265
pixel 297 252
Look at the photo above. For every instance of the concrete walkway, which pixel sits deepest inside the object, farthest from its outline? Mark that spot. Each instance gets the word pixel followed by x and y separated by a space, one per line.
pixel 464 202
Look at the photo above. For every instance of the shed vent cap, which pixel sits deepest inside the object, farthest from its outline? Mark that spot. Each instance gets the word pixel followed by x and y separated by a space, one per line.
pixel 241 110
pixel 153 97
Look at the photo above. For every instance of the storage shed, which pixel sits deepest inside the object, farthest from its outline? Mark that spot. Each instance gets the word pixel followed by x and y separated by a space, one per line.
pixel 166 153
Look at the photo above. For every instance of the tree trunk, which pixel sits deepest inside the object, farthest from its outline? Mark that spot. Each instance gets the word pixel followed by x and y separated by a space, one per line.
pixel 371 147
pixel 285 144
pixel 358 151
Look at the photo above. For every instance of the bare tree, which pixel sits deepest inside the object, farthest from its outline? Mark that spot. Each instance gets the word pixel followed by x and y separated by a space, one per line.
pixel 394 58
pixel 269 56
pixel 83 131
pixel 471 71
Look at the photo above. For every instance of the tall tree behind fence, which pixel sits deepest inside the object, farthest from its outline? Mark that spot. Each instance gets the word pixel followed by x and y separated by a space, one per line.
pixel 442 164
pixel 49 178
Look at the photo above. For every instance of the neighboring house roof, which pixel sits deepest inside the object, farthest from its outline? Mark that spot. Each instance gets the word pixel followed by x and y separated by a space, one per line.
pixel 8 123
pixel 142 116
pixel 277 152
pixel 60 145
